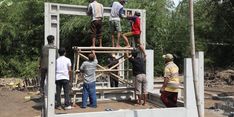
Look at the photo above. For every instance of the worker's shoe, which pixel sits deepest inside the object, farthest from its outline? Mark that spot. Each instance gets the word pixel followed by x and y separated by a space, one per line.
pixel 58 107
pixel 68 108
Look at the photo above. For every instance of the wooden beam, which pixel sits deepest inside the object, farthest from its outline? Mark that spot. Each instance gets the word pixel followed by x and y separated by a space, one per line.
pixel 87 59
pixel 118 64
pixel 121 79
pixel 106 52
pixel 108 70
pixel 101 48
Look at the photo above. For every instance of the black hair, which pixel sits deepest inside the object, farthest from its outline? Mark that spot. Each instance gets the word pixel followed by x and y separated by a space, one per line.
pixel 135 53
pixel 137 13
pixel 50 39
pixel 61 51
pixel 91 57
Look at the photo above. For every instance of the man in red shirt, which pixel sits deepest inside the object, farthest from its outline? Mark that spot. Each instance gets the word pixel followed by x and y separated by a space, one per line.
pixel 136 31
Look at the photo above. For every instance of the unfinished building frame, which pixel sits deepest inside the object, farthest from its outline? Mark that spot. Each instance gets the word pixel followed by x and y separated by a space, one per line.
pixel 52 16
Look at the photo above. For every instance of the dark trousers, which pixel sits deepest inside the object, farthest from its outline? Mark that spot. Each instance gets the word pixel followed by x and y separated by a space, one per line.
pixel 169 98
pixel 89 90
pixel 113 82
pixel 42 81
pixel 96 29
pixel 65 85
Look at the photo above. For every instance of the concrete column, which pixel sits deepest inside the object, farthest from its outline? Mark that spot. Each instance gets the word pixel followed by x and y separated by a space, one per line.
pixel 150 70
pixel 200 57
pixel 51 83
pixel 190 99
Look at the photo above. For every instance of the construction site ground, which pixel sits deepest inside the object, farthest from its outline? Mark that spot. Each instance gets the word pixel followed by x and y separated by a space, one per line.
pixel 16 103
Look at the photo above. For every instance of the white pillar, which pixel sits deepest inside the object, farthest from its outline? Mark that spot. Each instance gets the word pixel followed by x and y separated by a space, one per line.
pixel 190 99
pixel 51 83
pixel 150 70
pixel 200 57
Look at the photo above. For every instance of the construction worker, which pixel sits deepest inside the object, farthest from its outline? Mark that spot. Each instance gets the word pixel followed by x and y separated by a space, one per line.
pixel 44 61
pixel 95 10
pixel 63 77
pixel 114 82
pixel 116 14
pixel 136 31
pixel 140 76
pixel 169 90
pixel 89 87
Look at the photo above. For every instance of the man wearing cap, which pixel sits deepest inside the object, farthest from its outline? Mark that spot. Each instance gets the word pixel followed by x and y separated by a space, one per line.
pixel 95 10
pixel 116 14
pixel 171 85
pixel 136 31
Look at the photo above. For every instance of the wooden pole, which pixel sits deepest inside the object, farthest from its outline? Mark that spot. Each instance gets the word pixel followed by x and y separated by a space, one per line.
pixel 76 78
pixel 195 73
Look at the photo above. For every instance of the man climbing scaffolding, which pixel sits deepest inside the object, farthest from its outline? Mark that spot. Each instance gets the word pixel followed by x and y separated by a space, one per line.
pixel 136 31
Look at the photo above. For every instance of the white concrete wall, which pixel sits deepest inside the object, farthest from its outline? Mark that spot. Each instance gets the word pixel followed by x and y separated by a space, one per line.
pixel 159 112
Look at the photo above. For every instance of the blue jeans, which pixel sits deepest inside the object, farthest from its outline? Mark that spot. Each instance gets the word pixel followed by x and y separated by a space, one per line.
pixel 89 90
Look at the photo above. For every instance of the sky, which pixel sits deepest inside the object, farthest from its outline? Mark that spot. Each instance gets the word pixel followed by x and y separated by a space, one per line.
pixel 176 2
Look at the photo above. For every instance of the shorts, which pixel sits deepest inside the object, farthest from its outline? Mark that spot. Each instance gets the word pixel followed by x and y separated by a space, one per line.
pixel 141 84
pixel 115 26
pixel 96 29
pixel 130 34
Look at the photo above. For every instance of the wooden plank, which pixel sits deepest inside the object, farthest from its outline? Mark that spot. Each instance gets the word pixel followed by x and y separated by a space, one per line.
pixel 105 52
pixel 108 70
pixel 102 48
pixel 107 89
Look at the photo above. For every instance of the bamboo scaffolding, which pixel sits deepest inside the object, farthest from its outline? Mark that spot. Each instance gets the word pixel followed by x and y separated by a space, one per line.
pixel 120 79
pixel 79 52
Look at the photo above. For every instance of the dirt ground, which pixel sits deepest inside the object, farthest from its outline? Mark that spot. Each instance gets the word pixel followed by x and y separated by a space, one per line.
pixel 14 104
pixel 17 104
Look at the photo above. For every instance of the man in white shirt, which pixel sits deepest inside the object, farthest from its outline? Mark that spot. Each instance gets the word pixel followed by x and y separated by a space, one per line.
pixel 117 12
pixel 63 75
pixel 95 10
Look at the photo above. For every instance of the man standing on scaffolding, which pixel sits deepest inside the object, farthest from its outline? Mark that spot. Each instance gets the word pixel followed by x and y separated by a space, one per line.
pixel 117 12
pixel 171 85
pixel 95 10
